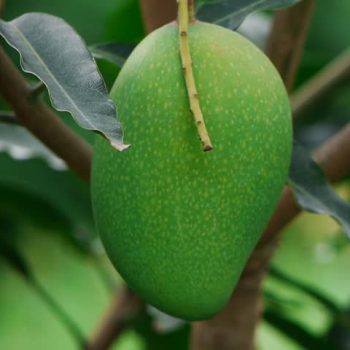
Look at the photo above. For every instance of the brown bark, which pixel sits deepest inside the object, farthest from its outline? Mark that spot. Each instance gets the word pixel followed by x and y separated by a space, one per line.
pixel 120 313
pixel 2 6
pixel 286 42
pixel 333 75
pixel 9 118
pixel 38 118
pixel 157 13
pixel 234 327
pixel 243 312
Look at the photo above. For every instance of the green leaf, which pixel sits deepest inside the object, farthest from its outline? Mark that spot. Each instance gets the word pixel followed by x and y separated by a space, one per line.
pixel 62 191
pixel 295 331
pixel 312 190
pixel 311 291
pixel 51 50
pixel 8 249
pixel 339 334
pixel 116 53
pixel 20 144
pixel 231 14
pixel 12 255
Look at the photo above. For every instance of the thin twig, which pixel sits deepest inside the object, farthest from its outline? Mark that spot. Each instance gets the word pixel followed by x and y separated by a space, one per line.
pixel 42 121
pixel 333 75
pixel 124 308
pixel 185 54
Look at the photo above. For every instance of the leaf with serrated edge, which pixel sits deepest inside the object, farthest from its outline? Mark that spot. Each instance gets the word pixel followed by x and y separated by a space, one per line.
pixel 231 14
pixel 51 50
pixel 313 192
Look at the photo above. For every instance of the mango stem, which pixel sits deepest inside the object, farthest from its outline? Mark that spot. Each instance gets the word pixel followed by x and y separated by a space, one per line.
pixel 185 15
pixel 191 11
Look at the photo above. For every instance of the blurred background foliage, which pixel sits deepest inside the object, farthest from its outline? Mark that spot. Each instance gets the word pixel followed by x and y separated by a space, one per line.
pixel 55 280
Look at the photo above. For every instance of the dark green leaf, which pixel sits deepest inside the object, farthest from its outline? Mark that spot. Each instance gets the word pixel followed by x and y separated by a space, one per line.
pixel 55 53
pixel 339 334
pixel 12 254
pixel 231 14
pixel 62 191
pixel 154 339
pixel 313 192
pixel 8 248
pixel 116 53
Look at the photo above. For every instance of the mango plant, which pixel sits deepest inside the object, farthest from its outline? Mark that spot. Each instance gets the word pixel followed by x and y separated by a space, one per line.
pixel 193 169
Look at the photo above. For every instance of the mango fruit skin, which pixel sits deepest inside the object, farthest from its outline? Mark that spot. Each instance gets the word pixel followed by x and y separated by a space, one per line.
pixel 178 223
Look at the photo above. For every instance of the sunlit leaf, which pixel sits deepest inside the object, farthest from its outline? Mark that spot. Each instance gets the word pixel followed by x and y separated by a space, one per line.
pixel 55 53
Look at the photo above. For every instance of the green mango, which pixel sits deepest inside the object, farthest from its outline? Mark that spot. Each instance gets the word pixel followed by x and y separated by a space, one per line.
pixel 178 223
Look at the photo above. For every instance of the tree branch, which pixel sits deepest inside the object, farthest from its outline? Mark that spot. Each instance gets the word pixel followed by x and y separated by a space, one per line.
pixel 39 119
pixel 124 308
pixel 243 312
pixel 333 75
pixel 285 44
pixel 42 121
pixel 222 329
pixel 234 327
pixel 157 13
pixel 2 6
